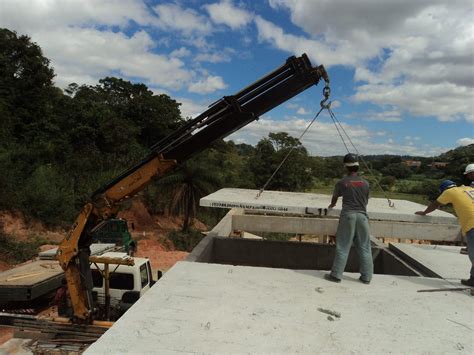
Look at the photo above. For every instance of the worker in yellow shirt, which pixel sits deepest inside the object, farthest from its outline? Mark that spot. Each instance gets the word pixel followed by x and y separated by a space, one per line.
pixel 462 199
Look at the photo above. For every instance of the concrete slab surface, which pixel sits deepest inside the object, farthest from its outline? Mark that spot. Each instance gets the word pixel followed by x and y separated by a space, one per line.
pixel 444 261
pixel 308 203
pixel 30 273
pixel 15 346
pixel 209 308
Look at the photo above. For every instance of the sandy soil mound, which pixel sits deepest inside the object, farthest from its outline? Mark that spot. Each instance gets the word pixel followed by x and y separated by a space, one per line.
pixel 14 223
pixel 3 265
pixel 143 221
pixel 138 215
pixel 5 334
pixel 159 253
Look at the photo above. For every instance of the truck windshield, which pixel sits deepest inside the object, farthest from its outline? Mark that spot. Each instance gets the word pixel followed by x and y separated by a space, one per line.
pixel 121 281
pixel 117 280
pixel 97 279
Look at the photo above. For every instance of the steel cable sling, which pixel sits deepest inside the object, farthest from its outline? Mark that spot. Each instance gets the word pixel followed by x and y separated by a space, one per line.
pixel 337 123
pixel 326 93
pixel 327 105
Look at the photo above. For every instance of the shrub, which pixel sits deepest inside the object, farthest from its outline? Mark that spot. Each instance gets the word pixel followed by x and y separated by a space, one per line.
pixel 185 241
pixel 18 251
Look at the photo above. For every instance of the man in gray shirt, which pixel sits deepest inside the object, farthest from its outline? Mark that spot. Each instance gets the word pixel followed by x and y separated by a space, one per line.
pixel 353 222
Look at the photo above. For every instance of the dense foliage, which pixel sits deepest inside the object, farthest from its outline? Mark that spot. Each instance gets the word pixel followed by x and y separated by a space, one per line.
pixel 15 251
pixel 57 147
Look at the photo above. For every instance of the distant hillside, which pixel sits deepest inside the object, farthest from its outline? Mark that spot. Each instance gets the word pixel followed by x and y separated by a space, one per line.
pixel 457 160
pixel 462 155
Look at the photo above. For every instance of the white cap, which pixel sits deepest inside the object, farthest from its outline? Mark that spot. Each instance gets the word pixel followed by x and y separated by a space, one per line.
pixel 352 164
pixel 469 168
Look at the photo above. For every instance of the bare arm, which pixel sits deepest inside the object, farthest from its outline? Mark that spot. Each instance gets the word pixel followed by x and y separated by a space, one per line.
pixel 431 207
pixel 333 201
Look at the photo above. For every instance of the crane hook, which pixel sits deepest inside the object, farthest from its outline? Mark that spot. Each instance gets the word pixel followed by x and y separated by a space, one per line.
pixel 326 93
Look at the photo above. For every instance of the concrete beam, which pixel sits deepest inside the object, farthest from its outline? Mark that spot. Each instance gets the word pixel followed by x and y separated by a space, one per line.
pixel 224 227
pixel 328 226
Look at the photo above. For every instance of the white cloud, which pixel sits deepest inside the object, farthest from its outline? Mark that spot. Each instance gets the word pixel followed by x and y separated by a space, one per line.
pixel 302 111
pixel 79 55
pixel 190 108
pixel 180 52
pixel 447 102
pixel 414 55
pixel 320 52
pixel 227 14
pixel 185 20
pixel 465 141
pixel 68 34
pixel 218 56
pixel 322 139
pixel 384 116
pixel 208 85
pixel 89 39
pixel 381 116
pixel 27 16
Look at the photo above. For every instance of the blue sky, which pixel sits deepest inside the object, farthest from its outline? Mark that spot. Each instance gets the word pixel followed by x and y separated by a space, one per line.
pixel 402 72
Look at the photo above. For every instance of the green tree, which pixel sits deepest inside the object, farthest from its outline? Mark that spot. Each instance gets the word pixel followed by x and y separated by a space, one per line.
pixel 26 86
pixel 457 160
pixel 294 175
pixel 184 187
pixel 332 168
pixel 27 99
pixel 398 170
pixel 387 182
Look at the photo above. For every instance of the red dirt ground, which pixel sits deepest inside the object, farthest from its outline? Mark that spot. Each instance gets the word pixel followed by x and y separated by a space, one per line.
pixel 5 334
pixel 160 258
pixel 14 223
pixel 3 265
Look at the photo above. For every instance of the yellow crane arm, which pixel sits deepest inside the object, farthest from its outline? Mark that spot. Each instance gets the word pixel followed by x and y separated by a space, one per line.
pixel 222 118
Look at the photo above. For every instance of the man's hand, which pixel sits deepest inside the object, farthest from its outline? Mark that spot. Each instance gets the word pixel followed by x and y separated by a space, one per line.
pixel 421 213
pixel 331 205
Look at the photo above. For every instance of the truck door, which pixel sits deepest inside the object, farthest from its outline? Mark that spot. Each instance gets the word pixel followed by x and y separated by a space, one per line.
pixel 144 278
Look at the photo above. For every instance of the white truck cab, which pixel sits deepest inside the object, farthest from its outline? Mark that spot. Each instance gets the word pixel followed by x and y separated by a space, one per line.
pixel 126 283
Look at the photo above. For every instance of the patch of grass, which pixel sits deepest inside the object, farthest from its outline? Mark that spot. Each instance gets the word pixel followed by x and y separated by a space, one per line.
pixel 277 236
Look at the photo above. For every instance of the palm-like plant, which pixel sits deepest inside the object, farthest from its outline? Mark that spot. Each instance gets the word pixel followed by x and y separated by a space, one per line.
pixel 185 187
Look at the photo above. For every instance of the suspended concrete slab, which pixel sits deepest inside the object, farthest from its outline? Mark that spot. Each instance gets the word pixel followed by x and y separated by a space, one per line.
pixel 288 212
pixel 96 249
pixel 443 261
pixel 199 308
pixel 308 203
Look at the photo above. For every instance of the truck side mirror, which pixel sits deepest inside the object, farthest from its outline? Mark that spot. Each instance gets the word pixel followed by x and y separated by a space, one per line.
pixel 133 226
pixel 159 274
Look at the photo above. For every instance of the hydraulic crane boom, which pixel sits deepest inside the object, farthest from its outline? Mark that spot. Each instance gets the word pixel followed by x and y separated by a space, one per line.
pixel 223 117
